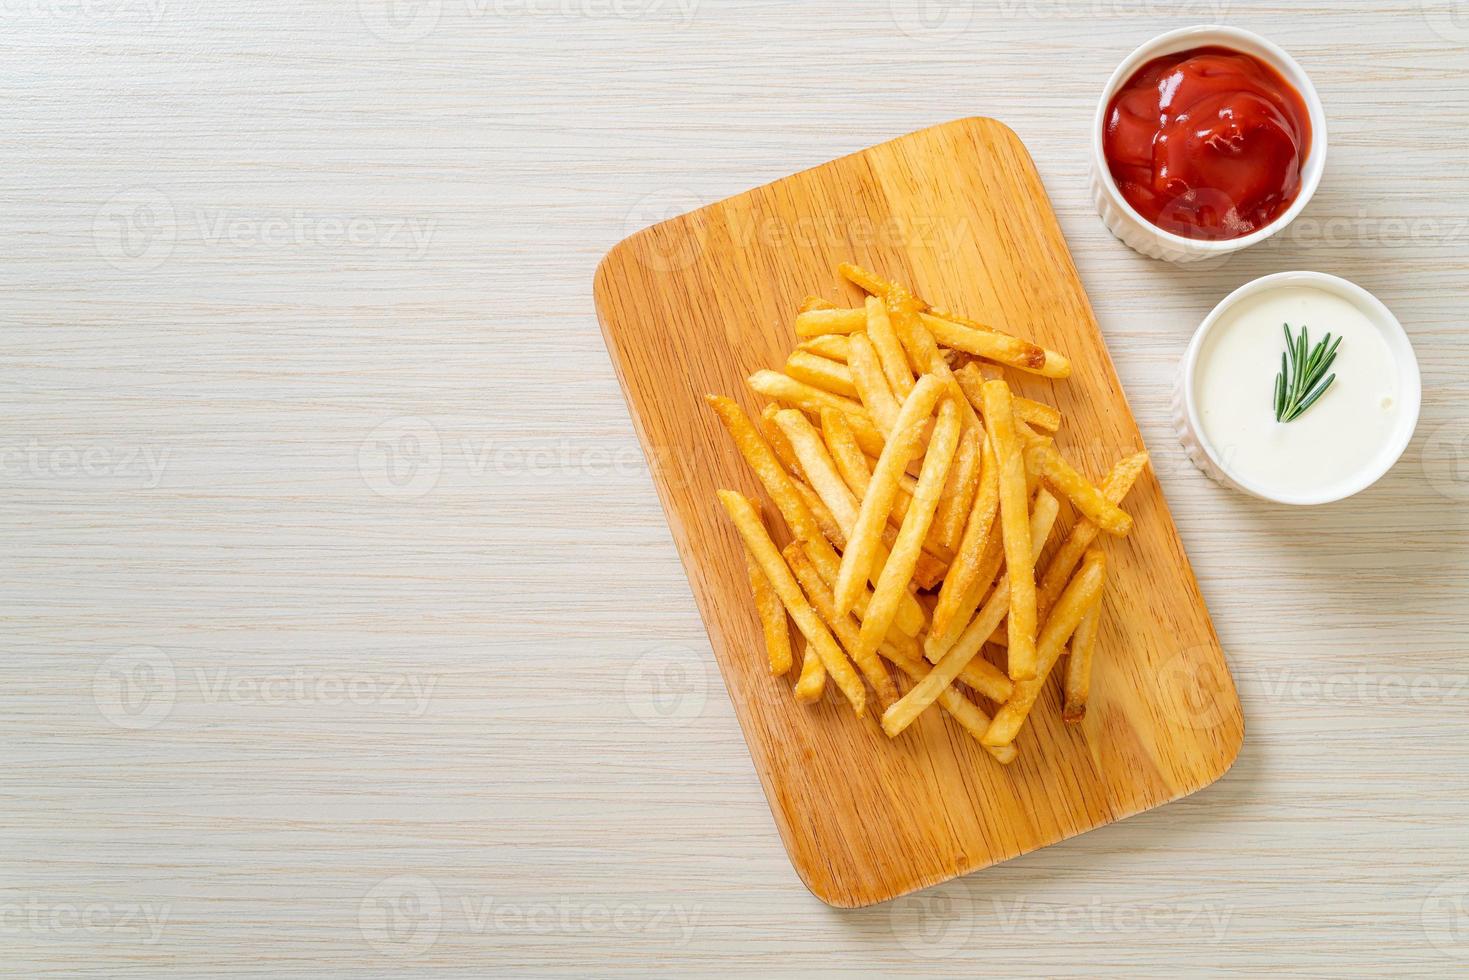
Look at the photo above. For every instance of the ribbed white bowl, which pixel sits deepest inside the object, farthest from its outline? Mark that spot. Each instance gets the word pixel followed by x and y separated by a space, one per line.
pixel 1140 234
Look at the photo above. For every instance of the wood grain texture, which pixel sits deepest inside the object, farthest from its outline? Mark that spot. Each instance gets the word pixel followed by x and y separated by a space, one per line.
pixel 577 756
pixel 698 303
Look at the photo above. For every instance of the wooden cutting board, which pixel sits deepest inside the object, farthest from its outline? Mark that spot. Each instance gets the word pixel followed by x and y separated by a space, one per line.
pixel 695 304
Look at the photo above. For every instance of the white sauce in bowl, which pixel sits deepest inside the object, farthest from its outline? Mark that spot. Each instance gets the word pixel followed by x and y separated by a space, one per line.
pixel 1346 432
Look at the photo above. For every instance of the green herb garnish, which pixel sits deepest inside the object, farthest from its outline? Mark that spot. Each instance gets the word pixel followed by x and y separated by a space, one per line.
pixel 1299 383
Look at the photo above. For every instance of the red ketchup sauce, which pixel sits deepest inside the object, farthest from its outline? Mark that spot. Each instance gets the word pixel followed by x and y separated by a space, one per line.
pixel 1207 143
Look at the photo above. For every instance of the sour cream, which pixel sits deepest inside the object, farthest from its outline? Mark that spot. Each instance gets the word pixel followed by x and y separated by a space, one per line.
pixel 1347 439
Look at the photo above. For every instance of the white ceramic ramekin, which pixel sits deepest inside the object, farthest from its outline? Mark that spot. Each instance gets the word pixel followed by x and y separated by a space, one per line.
pixel 1209 460
pixel 1123 220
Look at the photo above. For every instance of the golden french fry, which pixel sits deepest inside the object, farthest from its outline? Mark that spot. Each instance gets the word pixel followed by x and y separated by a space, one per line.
pixel 825 519
pixel 898 571
pixel 819 593
pixel 990 562
pixel 1078 683
pixel 821 372
pixel 872 385
pixel 1115 487
pixel 904 653
pixel 781 388
pixel 1055 366
pixel 856 470
pixel 1042 519
pixel 991 345
pixel 910 620
pixel 1062 477
pixel 778 441
pixel 918 342
pixel 761 458
pixel 850 460
pixel 971 379
pixel 811 684
pixel 969 716
pixel 889 350
pixel 791 500
pixel 836 498
pixel 813 323
pixel 816 303
pixel 929 571
pixel 832 345
pixel 772 617
pixel 757 539
pixel 987 679
pixel 865 539
pixel 1080 594
pixel 821 471
pixel 923 349
pixel 953 512
pixel 863 279
pixel 1038 414
pixel 966 648
pixel 968 561
pixel 1014 529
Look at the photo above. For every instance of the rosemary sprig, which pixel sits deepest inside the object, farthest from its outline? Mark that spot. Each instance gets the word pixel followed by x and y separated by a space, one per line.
pixel 1302 366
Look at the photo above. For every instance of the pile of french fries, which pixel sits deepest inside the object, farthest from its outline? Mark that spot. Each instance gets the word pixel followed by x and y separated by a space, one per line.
pixel 918 492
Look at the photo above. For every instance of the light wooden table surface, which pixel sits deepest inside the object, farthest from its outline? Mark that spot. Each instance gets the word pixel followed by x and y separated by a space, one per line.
pixel 343 634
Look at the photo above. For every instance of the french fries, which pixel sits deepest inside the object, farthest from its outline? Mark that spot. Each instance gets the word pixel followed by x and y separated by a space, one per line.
pixel 832 345
pixel 998 347
pixel 814 323
pixel 968 562
pixel 1063 478
pixel 1078 684
pixel 821 472
pixel 778 441
pixel 919 491
pixel 903 652
pixel 965 648
pixel 871 383
pixel 953 510
pixel 1115 487
pixel 842 625
pixel 783 388
pixel 821 372
pixel 863 541
pixel 757 539
pixel 1014 529
pixel 889 350
pixel 1084 590
pixel 1054 365
pixel 898 571
pixel 761 458
pixel 772 617
pixel 1035 413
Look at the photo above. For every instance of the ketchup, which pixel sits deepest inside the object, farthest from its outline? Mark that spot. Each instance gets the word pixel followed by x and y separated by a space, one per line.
pixel 1207 143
